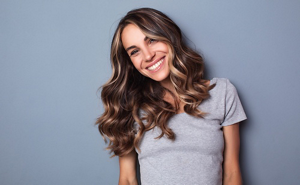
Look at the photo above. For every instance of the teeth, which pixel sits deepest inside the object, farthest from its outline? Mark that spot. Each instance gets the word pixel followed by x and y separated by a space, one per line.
pixel 155 65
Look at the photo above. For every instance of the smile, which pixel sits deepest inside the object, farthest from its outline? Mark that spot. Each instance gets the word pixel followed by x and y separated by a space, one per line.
pixel 156 65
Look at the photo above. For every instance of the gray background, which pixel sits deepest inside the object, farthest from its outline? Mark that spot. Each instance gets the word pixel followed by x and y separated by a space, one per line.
pixel 55 54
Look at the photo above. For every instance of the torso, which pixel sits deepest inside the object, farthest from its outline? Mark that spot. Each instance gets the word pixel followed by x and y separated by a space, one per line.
pixel 196 154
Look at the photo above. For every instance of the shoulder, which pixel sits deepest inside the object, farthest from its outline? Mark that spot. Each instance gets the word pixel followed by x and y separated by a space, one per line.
pixel 222 84
pixel 223 91
pixel 218 80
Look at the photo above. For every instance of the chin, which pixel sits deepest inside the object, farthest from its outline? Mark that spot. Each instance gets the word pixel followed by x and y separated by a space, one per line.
pixel 161 78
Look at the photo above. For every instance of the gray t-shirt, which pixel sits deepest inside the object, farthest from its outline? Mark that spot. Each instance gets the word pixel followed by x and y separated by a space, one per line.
pixel 196 155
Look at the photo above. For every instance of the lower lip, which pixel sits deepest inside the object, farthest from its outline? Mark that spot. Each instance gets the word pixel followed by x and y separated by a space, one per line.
pixel 158 68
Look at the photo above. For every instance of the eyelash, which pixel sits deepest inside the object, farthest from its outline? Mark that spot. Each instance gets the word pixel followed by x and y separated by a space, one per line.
pixel 133 52
pixel 152 40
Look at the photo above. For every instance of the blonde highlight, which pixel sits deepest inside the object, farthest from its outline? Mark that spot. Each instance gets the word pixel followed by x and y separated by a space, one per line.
pixel 130 98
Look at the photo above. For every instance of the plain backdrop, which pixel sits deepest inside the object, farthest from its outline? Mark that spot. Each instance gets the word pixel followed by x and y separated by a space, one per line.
pixel 55 55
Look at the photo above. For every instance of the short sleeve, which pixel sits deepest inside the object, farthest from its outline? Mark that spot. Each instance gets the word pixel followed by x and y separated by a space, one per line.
pixel 233 111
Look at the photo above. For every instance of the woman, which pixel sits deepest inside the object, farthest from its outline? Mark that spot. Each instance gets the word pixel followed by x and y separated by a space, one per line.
pixel 183 128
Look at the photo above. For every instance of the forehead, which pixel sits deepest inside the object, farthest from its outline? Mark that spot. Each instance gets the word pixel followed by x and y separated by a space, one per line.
pixel 132 35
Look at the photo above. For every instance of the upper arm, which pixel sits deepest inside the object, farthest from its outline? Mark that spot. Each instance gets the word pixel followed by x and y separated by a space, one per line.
pixel 128 169
pixel 232 147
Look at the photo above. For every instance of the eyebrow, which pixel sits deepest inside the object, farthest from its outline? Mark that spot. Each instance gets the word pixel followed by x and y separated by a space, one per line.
pixel 131 47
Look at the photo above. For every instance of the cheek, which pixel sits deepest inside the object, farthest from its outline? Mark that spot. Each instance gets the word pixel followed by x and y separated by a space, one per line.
pixel 164 47
pixel 136 64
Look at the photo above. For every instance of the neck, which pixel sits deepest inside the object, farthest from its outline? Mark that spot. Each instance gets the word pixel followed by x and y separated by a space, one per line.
pixel 168 84
pixel 169 98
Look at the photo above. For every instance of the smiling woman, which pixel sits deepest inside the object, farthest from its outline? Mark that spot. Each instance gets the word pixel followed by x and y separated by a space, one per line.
pixel 158 107
pixel 149 57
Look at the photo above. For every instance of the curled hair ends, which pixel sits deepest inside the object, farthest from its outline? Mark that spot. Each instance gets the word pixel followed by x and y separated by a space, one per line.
pixel 128 92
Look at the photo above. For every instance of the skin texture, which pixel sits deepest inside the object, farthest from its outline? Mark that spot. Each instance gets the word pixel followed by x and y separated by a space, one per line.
pixel 231 168
pixel 145 52
pixel 128 169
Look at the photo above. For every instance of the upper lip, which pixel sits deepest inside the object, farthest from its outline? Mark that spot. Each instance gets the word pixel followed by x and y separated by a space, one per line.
pixel 154 62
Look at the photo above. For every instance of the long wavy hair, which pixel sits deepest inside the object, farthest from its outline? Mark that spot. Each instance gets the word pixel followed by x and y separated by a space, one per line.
pixel 128 92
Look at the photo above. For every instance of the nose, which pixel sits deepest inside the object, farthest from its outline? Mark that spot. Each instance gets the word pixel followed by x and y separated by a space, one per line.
pixel 148 54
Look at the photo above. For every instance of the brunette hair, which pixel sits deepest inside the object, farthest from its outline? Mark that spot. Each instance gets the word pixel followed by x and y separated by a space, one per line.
pixel 128 92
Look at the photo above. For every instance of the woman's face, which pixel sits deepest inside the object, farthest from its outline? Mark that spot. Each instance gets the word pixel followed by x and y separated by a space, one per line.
pixel 149 57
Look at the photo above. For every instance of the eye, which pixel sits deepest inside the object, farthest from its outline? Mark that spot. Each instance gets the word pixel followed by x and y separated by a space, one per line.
pixel 152 41
pixel 133 52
